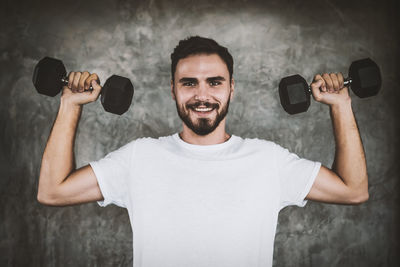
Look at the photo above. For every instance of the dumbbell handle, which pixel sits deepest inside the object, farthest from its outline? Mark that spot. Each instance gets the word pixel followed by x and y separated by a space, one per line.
pixel 346 81
pixel 65 82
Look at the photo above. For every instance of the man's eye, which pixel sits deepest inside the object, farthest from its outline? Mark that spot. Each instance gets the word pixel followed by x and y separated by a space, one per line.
pixel 215 83
pixel 189 84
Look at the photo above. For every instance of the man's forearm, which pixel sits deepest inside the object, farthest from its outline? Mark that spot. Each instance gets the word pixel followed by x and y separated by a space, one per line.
pixel 58 158
pixel 349 161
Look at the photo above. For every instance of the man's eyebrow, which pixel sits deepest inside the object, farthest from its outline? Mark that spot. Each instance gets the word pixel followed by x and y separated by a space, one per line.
pixel 194 80
pixel 187 79
pixel 216 78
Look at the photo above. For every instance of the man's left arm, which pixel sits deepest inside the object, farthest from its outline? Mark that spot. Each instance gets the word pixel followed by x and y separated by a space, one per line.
pixel 347 181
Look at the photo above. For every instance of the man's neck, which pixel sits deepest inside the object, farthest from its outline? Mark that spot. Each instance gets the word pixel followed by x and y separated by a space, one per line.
pixel 218 136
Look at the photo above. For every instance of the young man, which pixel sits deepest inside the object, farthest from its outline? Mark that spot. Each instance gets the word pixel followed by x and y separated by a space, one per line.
pixel 202 197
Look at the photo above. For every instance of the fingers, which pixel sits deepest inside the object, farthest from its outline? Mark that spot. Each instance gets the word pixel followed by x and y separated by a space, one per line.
pixel 88 81
pixel 317 86
pixel 319 83
pixel 81 81
pixel 328 81
pixel 70 79
pixel 334 82
pixel 75 81
pixel 331 83
pixel 341 80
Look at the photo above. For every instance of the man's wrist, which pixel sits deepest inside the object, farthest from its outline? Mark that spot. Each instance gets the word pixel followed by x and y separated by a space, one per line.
pixel 69 108
pixel 342 107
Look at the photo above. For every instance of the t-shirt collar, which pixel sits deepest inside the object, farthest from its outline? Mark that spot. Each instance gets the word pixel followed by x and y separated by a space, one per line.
pixel 215 147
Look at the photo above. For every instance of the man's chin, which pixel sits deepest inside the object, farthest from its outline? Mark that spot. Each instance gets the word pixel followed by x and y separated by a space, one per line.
pixel 202 131
pixel 203 126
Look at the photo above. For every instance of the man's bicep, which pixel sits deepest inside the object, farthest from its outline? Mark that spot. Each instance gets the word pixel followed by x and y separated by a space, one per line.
pixel 328 187
pixel 80 187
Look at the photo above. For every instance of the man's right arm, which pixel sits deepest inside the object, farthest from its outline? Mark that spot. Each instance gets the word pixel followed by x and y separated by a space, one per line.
pixel 60 184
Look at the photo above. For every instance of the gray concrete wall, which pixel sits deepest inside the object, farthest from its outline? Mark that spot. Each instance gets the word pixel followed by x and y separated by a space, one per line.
pixel 269 40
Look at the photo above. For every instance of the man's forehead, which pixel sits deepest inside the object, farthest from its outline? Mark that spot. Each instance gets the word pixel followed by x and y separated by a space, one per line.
pixel 201 65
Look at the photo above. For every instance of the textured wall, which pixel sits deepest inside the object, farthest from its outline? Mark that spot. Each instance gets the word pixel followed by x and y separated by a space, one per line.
pixel 269 40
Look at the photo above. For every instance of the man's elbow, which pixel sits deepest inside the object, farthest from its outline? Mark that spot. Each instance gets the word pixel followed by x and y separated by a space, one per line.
pixel 360 198
pixel 42 199
pixel 359 192
pixel 46 198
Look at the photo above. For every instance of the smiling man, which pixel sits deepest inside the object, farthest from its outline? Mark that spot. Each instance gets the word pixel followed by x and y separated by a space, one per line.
pixel 202 197
pixel 202 87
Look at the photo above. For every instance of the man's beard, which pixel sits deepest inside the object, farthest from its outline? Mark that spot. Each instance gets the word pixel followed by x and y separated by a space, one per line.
pixel 202 126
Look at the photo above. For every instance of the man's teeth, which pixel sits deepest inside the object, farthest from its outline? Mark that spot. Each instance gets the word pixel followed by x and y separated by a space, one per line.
pixel 203 109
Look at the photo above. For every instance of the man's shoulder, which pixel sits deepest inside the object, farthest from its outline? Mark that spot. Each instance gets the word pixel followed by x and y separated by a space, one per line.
pixel 258 142
pixel 150 141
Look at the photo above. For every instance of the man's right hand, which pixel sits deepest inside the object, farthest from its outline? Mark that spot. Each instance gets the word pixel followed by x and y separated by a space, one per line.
pixel 77 91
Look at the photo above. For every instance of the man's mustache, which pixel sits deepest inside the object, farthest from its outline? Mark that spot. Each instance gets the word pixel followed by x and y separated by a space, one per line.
pixel 203 104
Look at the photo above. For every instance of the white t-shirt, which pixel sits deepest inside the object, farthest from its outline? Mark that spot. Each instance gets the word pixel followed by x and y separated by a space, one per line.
pixel 203 206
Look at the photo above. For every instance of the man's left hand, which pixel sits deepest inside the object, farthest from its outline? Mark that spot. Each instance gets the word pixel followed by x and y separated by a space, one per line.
pixel 328 89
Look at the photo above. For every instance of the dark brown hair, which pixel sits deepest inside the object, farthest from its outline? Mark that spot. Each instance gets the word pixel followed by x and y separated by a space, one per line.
pixel 195 45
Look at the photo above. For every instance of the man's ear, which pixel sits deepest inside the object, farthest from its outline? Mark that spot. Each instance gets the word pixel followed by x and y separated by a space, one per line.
pixel 172 90
pixel 232 88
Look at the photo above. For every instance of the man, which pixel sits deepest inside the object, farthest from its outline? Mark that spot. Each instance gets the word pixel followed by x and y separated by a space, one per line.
pixel 202 197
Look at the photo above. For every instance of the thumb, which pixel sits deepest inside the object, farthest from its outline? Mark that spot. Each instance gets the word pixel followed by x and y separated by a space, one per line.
pixel 96 89
pixel 315 89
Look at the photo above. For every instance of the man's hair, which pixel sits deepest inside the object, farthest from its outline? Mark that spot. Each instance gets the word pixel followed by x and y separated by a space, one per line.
pixel 196 45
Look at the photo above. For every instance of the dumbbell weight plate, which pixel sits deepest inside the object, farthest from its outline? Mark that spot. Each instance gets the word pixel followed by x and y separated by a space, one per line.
pixel 116 94
pixel 366 78
pixel 48 75
pixel 294 94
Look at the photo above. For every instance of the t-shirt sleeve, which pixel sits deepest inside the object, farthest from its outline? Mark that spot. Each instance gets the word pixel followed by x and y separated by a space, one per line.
pixel 296 176
pixel 112 173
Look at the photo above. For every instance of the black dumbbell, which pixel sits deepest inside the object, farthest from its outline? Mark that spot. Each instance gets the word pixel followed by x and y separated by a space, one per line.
pixel 49 77
pixel 364 79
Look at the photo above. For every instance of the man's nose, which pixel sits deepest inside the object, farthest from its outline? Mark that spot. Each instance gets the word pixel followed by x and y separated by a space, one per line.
pixel 202 92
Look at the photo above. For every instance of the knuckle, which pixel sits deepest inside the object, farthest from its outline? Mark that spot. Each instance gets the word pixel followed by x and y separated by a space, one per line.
pixel 96 77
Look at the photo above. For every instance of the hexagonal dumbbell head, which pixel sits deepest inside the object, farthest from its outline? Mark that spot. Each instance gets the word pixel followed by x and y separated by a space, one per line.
pixel 294 94
pixel 116 94
pixel 48 75
pixel 366 78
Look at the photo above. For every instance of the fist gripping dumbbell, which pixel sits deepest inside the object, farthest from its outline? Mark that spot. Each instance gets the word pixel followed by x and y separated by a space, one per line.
pixel 49 77
pixel 364 79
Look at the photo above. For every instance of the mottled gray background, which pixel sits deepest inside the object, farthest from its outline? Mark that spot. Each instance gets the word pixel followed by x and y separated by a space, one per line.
pixel 268 40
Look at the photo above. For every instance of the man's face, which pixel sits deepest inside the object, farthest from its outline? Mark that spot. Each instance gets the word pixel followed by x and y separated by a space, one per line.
pixel 202 91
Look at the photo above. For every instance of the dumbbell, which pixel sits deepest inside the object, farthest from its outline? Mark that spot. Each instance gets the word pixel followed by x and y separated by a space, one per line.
pixel 49 77
pixel 364 79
